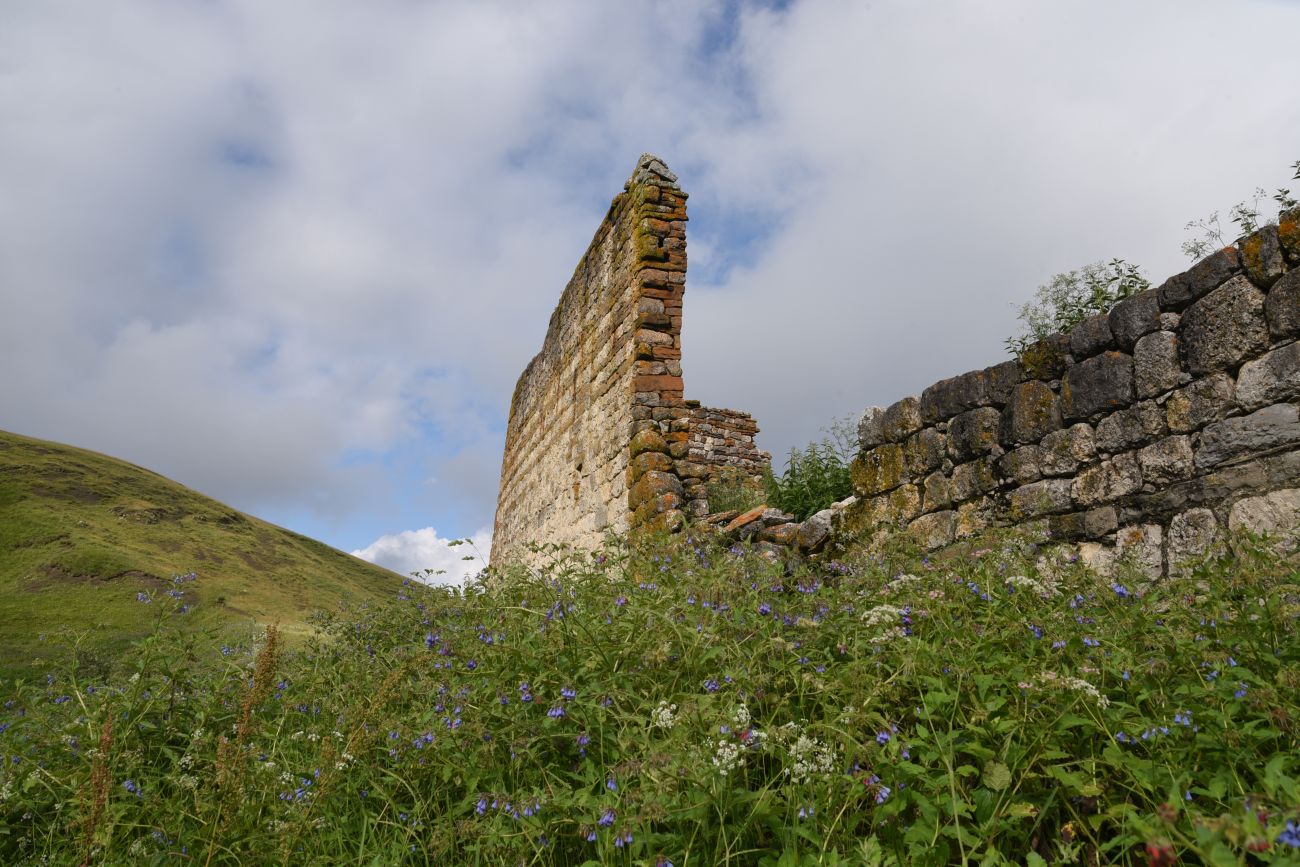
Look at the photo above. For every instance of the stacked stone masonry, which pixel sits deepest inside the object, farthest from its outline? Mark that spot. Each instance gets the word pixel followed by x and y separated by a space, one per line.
pixel 600 436
pixel 1146 431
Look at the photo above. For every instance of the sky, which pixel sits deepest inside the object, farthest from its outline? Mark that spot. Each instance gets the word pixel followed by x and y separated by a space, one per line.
pixel 295 254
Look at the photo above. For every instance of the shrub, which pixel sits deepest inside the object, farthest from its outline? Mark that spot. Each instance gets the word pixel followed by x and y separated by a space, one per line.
pixel 1072 296
pixel 817 475
pixel 731 489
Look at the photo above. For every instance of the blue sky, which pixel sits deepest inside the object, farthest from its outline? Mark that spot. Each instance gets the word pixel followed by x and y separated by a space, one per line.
pixel 295 254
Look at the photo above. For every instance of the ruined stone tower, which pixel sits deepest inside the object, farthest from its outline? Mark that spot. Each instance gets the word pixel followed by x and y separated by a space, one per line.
pixel 600 437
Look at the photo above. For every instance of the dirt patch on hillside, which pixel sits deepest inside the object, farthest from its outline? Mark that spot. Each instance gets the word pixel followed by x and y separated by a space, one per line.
pixel 53 575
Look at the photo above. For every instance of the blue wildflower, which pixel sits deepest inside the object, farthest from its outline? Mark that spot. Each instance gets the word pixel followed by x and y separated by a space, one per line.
pixel 1290 835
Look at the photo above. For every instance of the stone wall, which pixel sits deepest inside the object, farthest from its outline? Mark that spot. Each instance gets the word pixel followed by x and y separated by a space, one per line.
pixel 599 437
pixel 719 440
pixel 1146 431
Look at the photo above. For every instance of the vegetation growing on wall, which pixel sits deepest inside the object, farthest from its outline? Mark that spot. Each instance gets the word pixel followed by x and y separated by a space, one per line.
pixel 1070 297
pixel 1245 214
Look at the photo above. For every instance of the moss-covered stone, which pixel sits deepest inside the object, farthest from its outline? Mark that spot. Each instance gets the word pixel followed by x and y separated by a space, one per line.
pixel 1036 499
pixel 647 441
pixel 1288 233
pixel 652 485
pixel 1261 256
pixel 934 530
pixel 1032 413
pixel 972 479
pixel 647 461
pixel 925 451
pixel 1046 359
pixel 879 470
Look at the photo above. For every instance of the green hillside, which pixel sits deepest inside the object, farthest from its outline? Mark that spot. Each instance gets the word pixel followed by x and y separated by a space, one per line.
pixel 83 534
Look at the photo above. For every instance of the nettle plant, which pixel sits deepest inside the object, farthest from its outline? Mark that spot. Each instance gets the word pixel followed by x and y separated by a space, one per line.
pixel 681 703
pixel 1070 297
pixel 817 475
pixel 1245 215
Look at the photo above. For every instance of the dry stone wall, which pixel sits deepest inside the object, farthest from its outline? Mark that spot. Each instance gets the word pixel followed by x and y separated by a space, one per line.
pixel 600 436
pixel 1146 431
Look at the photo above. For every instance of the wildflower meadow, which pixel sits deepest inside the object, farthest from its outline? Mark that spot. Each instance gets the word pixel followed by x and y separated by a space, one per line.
pixel 682 702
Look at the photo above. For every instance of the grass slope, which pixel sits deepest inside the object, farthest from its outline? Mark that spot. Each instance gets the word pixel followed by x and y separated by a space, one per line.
pixel 81 534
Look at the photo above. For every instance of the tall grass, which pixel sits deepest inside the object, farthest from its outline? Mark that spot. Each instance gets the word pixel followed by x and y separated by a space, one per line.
pixel 686 703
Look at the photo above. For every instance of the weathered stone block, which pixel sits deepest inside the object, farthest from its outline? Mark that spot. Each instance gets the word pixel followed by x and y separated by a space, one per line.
pixel 647 441
pixel 1108 481
pixel 1202 278
pixel 646 461
pixel 781 534
pixel 905 502
pixel 1133 317
pixel 652 485
pixel 1048 497
pixel 1288 233
pixel 1282 308
pixel 1046 359
pixel 1000 380
pixel 948 397
pixel 1137 425
pixel 752 518
pixel 1191 535
pixel 870 428
pixel 1203 401
pixel 975 517
pixel 687 469
pixel 1032 413
pixel 879 470
pixel 1261 257
pixel 1092 524
pixel 1142 547
pixel 1276 514
pixel 1156 364
pixel 1063 451
pixel 925 451
pixel 938 492
pixel 1091 336
pixel 974 432
pixel 1225 327
pixel 1103 382
pixel 934 530
pixel 1020 465
pixel 772 517
pixel 1166 461
pixel 1270 378
pixel 901 420
pixel 814 532
pixel 1270 427
pixel 972 479
pixel 895 509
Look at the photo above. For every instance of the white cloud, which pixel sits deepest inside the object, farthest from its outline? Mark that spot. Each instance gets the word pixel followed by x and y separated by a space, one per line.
pixel 417 550
pixel 295 254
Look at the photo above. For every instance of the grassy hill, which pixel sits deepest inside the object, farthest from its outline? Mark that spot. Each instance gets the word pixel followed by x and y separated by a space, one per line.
pixel 83 534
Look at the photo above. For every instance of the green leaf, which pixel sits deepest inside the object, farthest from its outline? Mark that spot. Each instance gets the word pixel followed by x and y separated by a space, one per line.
pixel 997 776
